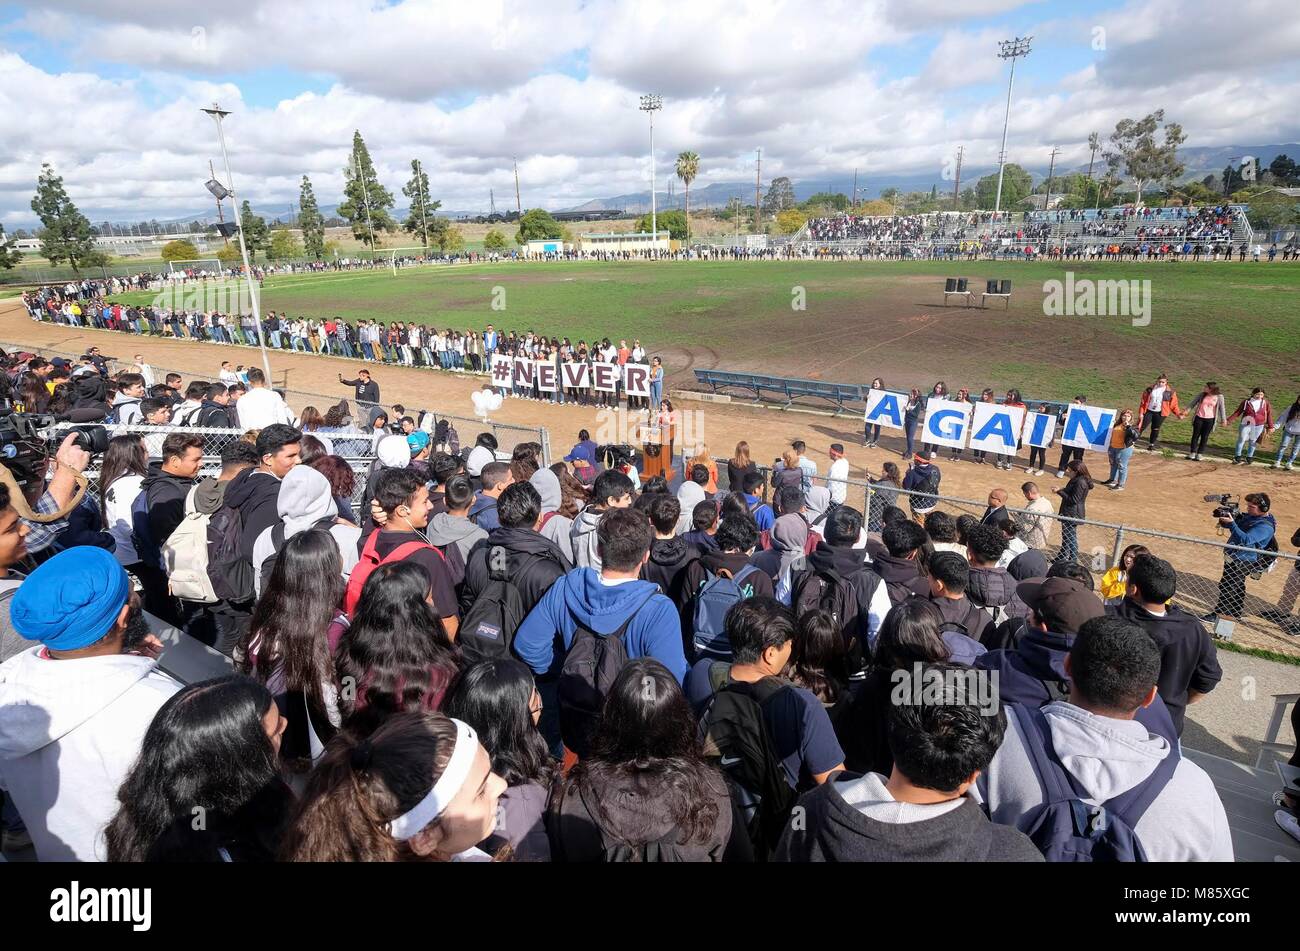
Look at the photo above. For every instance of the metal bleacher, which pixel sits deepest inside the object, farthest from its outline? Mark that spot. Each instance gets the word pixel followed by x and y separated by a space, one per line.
pixel 789 388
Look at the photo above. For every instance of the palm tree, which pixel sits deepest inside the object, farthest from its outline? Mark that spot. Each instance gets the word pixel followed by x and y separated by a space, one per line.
pixel 688 166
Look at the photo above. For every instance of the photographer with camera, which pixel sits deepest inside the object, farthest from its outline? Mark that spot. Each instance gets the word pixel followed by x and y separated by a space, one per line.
pixel 1253 530
pixel 63 491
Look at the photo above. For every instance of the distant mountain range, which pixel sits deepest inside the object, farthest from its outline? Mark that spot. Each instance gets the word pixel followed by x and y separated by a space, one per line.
pixel 1199 161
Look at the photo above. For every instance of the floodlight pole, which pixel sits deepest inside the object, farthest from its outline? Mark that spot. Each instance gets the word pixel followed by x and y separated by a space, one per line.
pixel 651 104
pixel 1012 50
pixel 218 113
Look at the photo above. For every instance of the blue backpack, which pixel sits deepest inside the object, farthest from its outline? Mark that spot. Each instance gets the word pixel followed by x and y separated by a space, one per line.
pixel 716 597
pixel 1065 827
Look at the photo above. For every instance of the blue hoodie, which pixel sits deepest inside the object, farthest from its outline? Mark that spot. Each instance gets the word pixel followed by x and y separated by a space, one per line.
pixel 1250 531
pixel 483 513
pixel 580 596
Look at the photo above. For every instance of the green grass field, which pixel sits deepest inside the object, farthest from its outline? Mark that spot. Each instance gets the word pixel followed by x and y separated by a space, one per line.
pixel 1232 322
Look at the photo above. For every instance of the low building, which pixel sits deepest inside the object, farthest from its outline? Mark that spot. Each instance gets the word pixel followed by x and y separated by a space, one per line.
pixel 540 247
pixel 619 241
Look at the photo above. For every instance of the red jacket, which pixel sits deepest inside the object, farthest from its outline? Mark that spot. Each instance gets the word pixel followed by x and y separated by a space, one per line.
pixel 1168 402
pixel 1261 417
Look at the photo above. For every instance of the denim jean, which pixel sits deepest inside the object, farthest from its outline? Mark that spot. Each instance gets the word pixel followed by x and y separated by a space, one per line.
pixel 1246 437
pixel 1119 465
pixel 1069 543
pixel 909 430
pixel 1291 441
pixel 275 340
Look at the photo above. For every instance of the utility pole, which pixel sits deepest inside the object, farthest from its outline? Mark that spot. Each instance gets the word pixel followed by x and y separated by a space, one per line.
pixel 519 207
pixel 1051 167
pixel 956 188
pixel 758 177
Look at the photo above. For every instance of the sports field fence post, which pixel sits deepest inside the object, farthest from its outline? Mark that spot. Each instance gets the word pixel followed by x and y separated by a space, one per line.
pixel 1118 547
pixel 544 435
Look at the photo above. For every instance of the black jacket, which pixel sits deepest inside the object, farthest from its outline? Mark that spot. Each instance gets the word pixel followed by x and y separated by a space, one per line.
pixel 1188 658
pixel 165 496
pixel 902 576
pixel 1074 497
pixel 254 495
pixel 533 564
pixel 666 567
pixel 367 392
pixel 960 611
pixel 834 831
pixel 215 416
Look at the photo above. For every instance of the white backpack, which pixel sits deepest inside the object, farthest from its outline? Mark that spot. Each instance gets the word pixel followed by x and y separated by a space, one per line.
pixel 185 556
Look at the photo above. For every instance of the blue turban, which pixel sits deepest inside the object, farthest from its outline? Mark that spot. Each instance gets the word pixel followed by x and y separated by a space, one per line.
pixel 72 600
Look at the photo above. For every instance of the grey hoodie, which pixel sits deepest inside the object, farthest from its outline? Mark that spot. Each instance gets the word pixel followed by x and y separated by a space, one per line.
pixel 445 529
pixel 585 552
pixel 1185 823
pixel 558 528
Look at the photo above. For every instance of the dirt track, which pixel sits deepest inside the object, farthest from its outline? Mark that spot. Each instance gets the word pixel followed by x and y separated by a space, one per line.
pixel 1162 494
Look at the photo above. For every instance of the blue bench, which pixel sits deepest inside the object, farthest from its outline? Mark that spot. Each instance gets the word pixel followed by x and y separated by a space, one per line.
pixel 787 387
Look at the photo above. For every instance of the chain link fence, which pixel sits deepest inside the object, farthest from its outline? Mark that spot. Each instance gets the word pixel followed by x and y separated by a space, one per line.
pixel 1256 608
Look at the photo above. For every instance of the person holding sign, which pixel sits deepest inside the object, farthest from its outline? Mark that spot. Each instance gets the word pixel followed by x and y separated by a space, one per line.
pixel 870 433
pixel 1069 453
pixel 1037 454
pixel 1013 401
pixel 1122 438
pixel 938 392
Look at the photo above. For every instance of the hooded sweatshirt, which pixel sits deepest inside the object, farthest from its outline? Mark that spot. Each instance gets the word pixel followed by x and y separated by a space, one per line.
pixel 902 576
pixel 1188 658
pixel 446 529
pixel 130 411
pixel 666 567
pixel 846 563
pixel 69 733
pixel 303 502
pixel 483 512
pixel 789 535
pixel 581 596
pixel 533 563
pixel 689 495
pixel 855 819
pixel 1185 823
pixel 165 496
pixel 557 527
pixel 255 496
pixel 995 588
pixel 585 551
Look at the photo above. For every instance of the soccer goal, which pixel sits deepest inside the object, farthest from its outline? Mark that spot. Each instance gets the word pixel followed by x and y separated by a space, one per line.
pixel 404 255
pixel 203 267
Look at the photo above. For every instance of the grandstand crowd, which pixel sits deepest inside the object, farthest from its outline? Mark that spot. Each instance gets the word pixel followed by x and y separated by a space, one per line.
pixel 489 658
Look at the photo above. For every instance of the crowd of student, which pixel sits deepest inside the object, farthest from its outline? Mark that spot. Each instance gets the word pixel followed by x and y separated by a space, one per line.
pixel 496 659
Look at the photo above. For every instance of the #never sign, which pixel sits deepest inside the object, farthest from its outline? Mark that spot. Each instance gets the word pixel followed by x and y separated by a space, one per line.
pixel 995 428
pixel 636 379
pixel 605 376
pixel 946 422
pixel 1088 427
pixel 885 409
pixel 577 376
pixel 503 370
pixel 545 370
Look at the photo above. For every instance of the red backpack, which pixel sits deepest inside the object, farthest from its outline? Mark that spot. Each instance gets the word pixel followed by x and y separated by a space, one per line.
pixel 369 561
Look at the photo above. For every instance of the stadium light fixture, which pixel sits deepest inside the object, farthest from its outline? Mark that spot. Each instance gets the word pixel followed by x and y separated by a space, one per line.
pixel 1012 50
pixel 650 104
pixel 217 190
pixel 218 114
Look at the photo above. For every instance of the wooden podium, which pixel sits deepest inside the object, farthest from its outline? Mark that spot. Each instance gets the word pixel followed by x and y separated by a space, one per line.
pixel 657 450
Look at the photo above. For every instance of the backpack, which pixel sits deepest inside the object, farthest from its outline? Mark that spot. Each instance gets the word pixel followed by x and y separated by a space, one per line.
pixel 809 545
pixel 230 572
pixel 1068 829
pixel 715 598
pixel 613 849
pixel 277 543
pixel 734 732
pixel 185 557
pixel 369 561
pixel 115 411
pixel 1266 562
pixel 590 668
pixel 813 590
pixel 488 629
pixel 141 537
pixel 188 418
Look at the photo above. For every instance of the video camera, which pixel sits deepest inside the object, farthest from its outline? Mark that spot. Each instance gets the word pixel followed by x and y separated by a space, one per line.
pixel 1226 508
pixel 25 453
pixel 613 455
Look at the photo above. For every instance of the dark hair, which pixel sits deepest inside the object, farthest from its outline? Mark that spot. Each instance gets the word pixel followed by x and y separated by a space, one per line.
pixel 986 543
pixel 789 499
pixel 940 742
pixel 444 466
pixel 798 445
pixel 493 474
pixel 941 527
pixel 396 487
pixel 843 526
pixel 213 390
pixel 583 435
pixel 755 624
pixel 734 506
pixel 395 650
pixel 255 376
pixel 951 569
pixel 623 537
pixel 889 473
pixel 699 474
pixel 287 632
pixel 610 484
pixel 751 482
pixel 275 437
pixel 176 445
pixel 892 514
pixel 902 537
pixel 647 732
pixel 664 512
pixel 737 533
pixel 1154 578
pixel 1114 664
pixel 197 390
pixel 129 379
pixel 655 485
pixel 337 473
pixel 1079 469
pixel 311 450
pixel 241 452
pixel 487 441
pixel 493 697
pixel 519 506
pixel 817 658
pixel 1072 570
pixel 965 523
pixel 704 516
pixel 909 635
pixel 364 782
pixel 458 492
pixel 152 405
pixel 124 456
pixel 206 748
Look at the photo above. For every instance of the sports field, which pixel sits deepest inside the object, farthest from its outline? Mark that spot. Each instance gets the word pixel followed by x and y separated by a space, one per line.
pixel 1233 322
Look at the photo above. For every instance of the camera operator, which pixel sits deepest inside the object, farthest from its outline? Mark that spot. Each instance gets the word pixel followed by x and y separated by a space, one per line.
pixel 1252 529
pixel 70 461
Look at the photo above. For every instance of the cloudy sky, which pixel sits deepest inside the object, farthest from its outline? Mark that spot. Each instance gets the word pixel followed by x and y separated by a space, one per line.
pixel 108 91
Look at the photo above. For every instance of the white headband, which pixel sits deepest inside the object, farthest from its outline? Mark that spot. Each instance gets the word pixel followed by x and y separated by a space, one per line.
pixel 407 825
